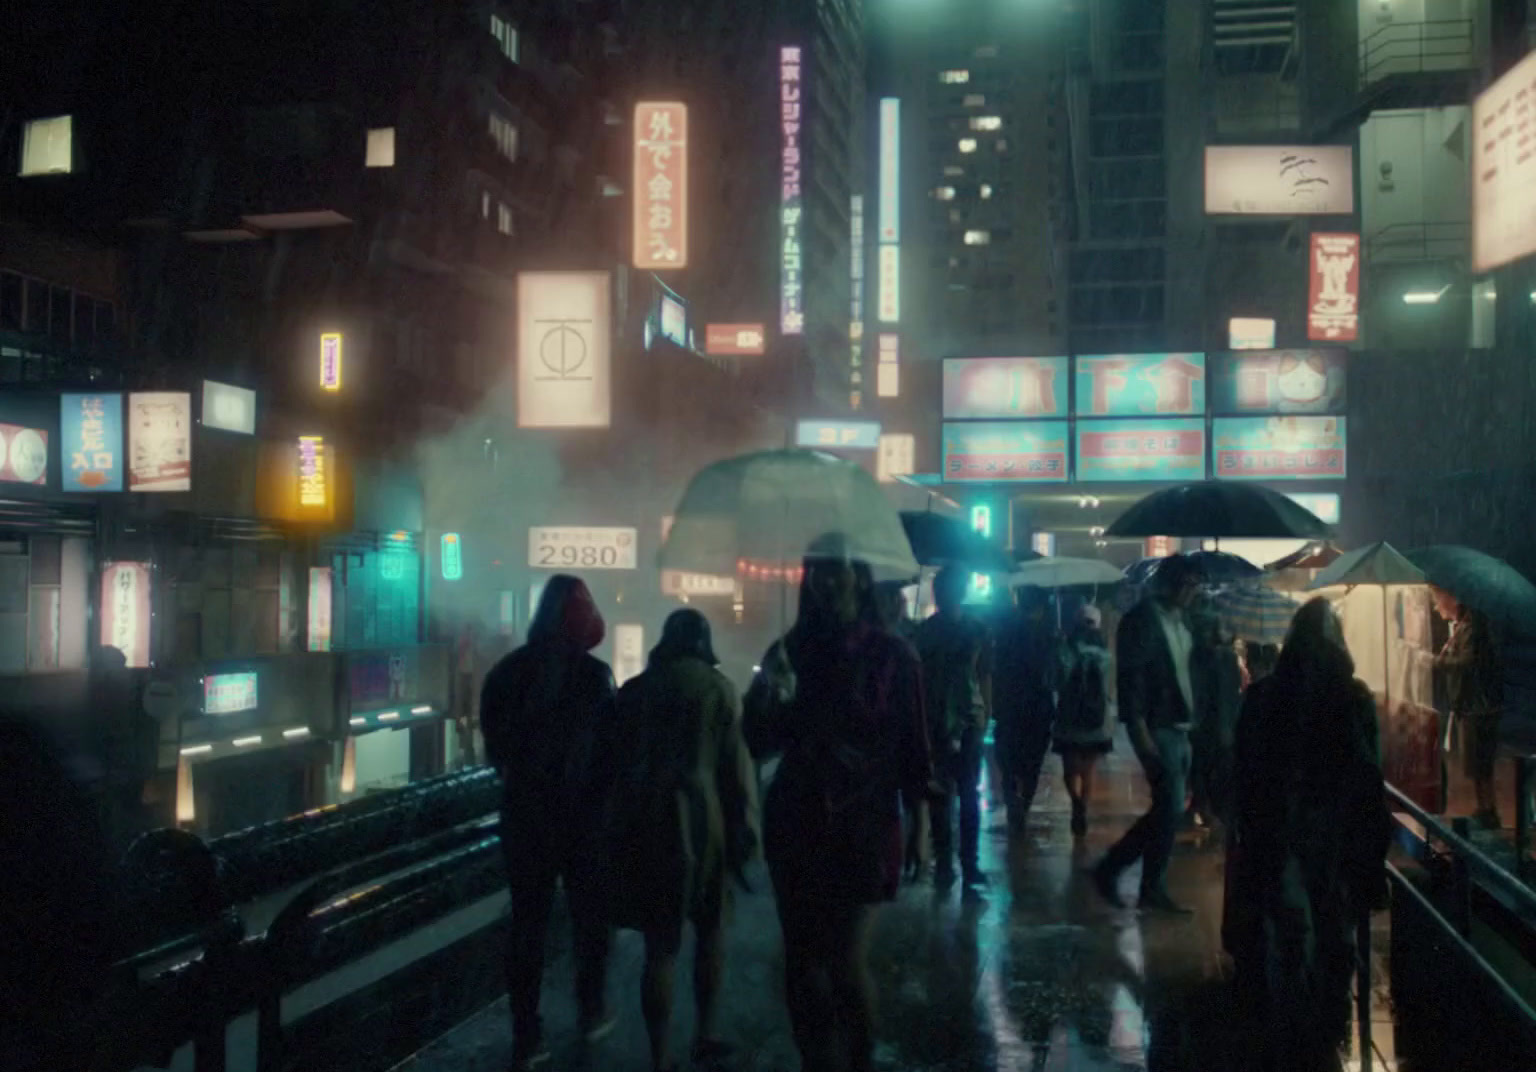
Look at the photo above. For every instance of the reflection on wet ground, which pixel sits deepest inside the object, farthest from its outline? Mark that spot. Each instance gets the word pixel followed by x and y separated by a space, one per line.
pixel 1037 975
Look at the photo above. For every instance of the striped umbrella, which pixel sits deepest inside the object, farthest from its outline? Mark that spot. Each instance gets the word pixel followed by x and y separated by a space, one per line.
pixel 1254 612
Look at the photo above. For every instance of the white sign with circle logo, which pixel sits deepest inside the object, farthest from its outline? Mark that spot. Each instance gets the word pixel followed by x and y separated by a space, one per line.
pixel 571 548
pixel 564 339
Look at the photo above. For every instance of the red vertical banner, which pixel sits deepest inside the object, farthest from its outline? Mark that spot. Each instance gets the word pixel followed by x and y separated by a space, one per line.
pixel 660 191
pixel 1333 297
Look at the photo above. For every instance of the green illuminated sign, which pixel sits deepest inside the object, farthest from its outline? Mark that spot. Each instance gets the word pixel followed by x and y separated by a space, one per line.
pixel 453 557
pixel 981 520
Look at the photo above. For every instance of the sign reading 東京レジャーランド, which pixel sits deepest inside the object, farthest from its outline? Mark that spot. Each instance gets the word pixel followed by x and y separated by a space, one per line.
pixel 661 185
pixel 1333 287
pixel 1005 387
pixel 792 259
pixel 1279 448
pixel 563 350
pixel 1279 180
pixel 1006 451
pixel 1141 449
pixel 1135 385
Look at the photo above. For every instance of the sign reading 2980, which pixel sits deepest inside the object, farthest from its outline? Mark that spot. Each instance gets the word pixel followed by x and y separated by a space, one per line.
pixel 562 547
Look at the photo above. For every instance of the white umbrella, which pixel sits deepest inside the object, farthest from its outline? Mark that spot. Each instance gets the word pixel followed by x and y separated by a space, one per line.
pixel 1064 573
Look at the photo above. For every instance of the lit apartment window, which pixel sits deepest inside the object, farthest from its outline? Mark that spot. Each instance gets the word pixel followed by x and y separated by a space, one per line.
pixel 506 36
pixel 986 190
pixel 945 193
pixel 47 147
pixel 888 380
pixel 967 145
pixel 986 122
pixel 974 100
pixel 987 52
pixel 504 217
pixel 954 78
pixel 381 147
pixel 504 134
pixel 978 238
pixel 953 171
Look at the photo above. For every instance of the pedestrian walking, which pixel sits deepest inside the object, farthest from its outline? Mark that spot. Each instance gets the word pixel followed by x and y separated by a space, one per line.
pixel 891 604
pixel 1082 734
pixel 547 712
pixel 685 821
pixel 1312 828
pixel 467 663
pixel 1024 698
pixel 840 700
pixel 1157 704
pixel 956 653
pixel 1475 688
pixel 1218 679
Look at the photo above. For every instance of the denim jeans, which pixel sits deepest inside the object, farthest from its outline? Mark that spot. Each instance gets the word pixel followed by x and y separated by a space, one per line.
pixel 1151 839
pixel 964 768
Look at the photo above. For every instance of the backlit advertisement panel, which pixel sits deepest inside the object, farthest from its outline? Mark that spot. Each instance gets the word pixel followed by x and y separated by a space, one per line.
pixel 330 361
pixel 674 320
pixel 1279 448
pixel 160 441
pixel 1504 169
pixel 628 652
pixel 1333 287
pixel 91 428
pixel 744 340
pixel 792 259
pixel 856 302
pixel 1005 387
pixel 314 472
pixel 232 409
pixel 23 455
pixel 1006 452
pixel 661 185
pixel 890 169
pixel 888 304
pixel 897 456
pixel 1251 333
pixel 452 555
pixel 1135 385
pixel 1278 381
pixel 1137 450
pixel 842 435
pixel 125 616
pixel 563 350
pixel 888 368
pixel 1279 180
pixel 318 635
pixel 227 694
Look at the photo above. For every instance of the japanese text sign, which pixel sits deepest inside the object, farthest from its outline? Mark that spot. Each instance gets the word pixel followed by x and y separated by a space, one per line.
pixel 661 185
pixel 225 694
pixel 890 169
pixel 452 556
pixel 160 441
pixel 569 547
pixel 330 361
pixel 23 455
pixel 125 615
pixel 1006 451
pixel 314 480
pixel 1132 385
pixel 1005 387
pixel 1139 450
pixel 1504 169
pixel 1279 448
pixel 318 635
pixel 745 340
pixel 897 457
pixel 844 435
pixel 792 281
pixel 1278 381
pixel 91 427
pixel 1279 180
pixel 1333 292
pixel 888 295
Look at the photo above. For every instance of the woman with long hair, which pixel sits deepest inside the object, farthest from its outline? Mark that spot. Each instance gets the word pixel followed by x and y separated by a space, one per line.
pixel 1081 733
pixel 548 717
pixel 1311 832
pixel 840 700
pixel 688 793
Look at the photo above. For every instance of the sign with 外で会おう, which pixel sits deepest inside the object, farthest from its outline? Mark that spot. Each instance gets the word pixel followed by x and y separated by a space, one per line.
pixel 160 441
pixel 1137 385
pixel 1005 387
pixel 1278 381
pixel 1279 448
pixel 582 547
pixel 1141 450
pixel 564 342
pixel 1006 451
pixel 661 185
pixel 23 455
pixel 91 430
pixel 227 694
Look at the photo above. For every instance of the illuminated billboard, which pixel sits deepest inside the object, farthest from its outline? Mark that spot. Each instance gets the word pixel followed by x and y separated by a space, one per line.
pixel 661 185
pixel 1279 448
pixel 318 635
pixel 563 350
pixel 232 409
pixel 1504 169
pixel 856 302
pixel 160 441
pixel 1136 385
pixel 897 456
pixel 125 615
pixel 227 694
pixel 330 361
pixel 888 284
pixel 890 169
pixel 1279 180
pixel 1278 381
pixel 91 431
pixel 582 547
pixel 314 473
pixel 792 259
pixel 23 455
pixel 674 320
pixel 1250 333
pixel 628 652
pixel 1005 387
pixel 745 340
pixel 843 435
pixel 1006 452
pixel 1141 450
pixel 1333 287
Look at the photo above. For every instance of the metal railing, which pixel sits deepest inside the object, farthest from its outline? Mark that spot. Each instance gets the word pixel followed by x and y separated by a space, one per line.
pixel 1417 47
pixel 1403 243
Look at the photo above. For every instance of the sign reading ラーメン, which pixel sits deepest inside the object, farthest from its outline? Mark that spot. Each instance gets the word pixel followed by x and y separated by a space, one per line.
pixel 563 348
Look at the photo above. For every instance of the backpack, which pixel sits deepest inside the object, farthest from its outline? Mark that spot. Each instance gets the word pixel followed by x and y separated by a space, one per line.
pixel 1085 693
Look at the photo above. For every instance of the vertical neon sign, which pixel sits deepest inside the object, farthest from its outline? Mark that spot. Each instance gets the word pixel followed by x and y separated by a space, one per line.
pixel 792 285
pixel 856 305
pixel 888 262
pixel 330 361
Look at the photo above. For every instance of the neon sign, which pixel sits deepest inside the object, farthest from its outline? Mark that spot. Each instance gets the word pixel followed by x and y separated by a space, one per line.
pixel 330 361
pixel 792 285
pixel 312 475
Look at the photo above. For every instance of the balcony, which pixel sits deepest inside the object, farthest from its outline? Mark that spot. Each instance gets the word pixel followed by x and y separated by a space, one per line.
pixel 1417 64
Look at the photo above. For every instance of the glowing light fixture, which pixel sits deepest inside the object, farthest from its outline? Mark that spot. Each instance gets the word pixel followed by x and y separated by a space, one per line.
pixel 297 731
pixel 967 145
pixel 246 742
pixel 330 361
pixel 197 750
pixel 1425 297
pixel 424 709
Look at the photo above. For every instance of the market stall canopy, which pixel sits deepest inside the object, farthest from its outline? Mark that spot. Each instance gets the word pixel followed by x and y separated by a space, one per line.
pixel 941 540
pixel 1064 573
pixel 1483 583
pixel 768 507
pixel 1377 563
pixel 1221 510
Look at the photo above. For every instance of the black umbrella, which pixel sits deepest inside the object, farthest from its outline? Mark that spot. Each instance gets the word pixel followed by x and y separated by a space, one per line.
pixel 941 540
pixel 1218 509
pixel 1482 582
pixel 1213 567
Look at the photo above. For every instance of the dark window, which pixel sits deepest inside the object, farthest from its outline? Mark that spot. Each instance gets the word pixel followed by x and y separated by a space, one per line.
pixel 58 313
pixel 106 324
pixel 10 301
pixel 85 324
pixel 37 307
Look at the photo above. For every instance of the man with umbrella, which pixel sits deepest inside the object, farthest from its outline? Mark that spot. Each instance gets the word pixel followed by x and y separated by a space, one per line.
pixel 1475 686
pixel 1157 704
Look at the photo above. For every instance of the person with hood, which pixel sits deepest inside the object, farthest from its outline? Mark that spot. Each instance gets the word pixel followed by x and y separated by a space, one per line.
pixel 1082 721
pixel 547 713
pixel 840 700
pixel 688 793
pixel 1024 699
pixel 1475 687
pixel 1312 829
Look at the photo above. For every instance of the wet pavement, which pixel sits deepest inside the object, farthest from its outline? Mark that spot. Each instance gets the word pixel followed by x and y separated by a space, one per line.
pixel 1038 975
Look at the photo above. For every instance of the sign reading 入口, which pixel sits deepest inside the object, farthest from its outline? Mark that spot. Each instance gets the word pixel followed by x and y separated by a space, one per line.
pixel 661 185
pixel 1333 291
pixel 1005 387
pixel 563 350
pixel 1279 180
pixel 1006 451
pixel 91 427
pixel 576 547
pixel 1279 448
pixel 792 282
pixel 160 441
pixel 1134 385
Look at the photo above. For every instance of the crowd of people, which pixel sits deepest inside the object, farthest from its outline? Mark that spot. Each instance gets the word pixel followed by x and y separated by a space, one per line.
pixel 644 800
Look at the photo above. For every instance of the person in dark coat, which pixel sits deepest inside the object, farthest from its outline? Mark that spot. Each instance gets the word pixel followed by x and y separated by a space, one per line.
pixel 1082 734
pixel 1028 673
pixel 687 819
pixel 840 700
pixel 1311 830
pixel 1218 681
pixel 547 712
pixel 1475 688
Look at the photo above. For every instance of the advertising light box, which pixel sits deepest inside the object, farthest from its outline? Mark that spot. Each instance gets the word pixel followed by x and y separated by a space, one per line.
pixel 1005 387
pixel 160 441
pixel 1278 381
pixel 452 556
pixel 1279 448
pixel 890 169
pixel 125 614
pixel 318 635
pixel 330 361
pixel 1138 385
pixel 1279 180
pixel 229 408
pixel 674 320
pixel 23 455
pixel 573 547
pixel 1333 287
pixel 791 256
pixel 1141 450
pixel 1006 452
pixel 841 435
pixel 227 694
pixel 628 652
pixel 1504 169
pixel 91 428
pixel 1251 333
pixel 661 185
pixel 563 350
pixel 897 457
pixel 741 340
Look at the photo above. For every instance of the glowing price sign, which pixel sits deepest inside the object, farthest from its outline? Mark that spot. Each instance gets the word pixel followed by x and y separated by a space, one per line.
pixel 566 547
pixel 792 285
